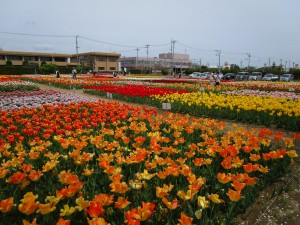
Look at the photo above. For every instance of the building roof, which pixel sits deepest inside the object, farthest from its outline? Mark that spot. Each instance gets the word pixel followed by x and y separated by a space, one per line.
pixel 97 54
pixel 34 54
pixel 57 54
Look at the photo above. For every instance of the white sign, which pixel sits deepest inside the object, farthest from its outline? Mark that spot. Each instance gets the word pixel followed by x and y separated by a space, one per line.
pixel 166 106
pixel 291 89
pixel 201 89
pixel 109 95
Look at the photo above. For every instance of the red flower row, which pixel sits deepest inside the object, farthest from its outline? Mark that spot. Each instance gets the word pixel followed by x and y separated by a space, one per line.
pixel 136 90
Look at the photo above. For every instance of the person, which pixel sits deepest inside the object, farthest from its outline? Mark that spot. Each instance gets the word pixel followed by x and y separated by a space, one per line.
pixel 212 78
pixel 57 74
pixel 74 72
pixel 217 79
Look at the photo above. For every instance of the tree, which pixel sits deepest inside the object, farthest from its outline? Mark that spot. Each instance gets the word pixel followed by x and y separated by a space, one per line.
pixel 9 63
pixel 25 62
pixel 48 68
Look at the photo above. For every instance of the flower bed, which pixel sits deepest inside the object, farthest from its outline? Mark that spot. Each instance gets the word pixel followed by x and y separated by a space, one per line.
pixel 274 94
pixel 30 99
pixel 111 163
pixel 131 93
pixel 8 85
pixel 281 112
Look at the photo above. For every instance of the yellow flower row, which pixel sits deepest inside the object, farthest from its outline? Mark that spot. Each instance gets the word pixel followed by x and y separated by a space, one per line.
pixel 256 103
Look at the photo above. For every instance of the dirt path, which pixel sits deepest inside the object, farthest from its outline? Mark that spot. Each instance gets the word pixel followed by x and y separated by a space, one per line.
pixel 277 204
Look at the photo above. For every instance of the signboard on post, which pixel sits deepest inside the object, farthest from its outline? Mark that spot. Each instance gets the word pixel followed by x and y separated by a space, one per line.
pixel 109 95
pixel 166 106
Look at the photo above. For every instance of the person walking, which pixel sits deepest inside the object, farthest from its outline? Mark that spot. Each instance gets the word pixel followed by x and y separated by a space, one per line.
pixel 57 74
pixel 217 79
pixel 74 73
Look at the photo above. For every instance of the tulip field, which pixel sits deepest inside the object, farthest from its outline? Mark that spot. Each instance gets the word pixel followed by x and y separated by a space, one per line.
pixel 69 159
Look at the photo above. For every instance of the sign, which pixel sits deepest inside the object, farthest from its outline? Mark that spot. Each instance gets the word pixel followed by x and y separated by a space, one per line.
pixel 201 89
pixel 109 95
pixel 166 106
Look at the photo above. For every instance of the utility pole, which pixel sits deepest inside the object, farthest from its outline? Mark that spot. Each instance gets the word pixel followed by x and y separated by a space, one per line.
pixel 285 66
pixel 147 46
pixel 77 49
pixel 200 62
pixel 173 51
pixel 219 54
pixel 249 56
pixel 241 64
pixel 137 57
pixel 269 61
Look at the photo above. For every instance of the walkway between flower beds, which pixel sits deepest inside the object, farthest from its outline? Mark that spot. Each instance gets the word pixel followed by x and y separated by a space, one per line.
pixel 277 204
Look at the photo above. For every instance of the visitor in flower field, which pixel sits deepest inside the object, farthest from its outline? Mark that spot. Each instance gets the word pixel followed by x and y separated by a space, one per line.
pixel 217 79
pixel 74 73
pixel 57 74
pixel 212 78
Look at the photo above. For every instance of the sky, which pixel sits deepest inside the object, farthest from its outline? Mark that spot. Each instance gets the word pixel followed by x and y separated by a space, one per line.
pixel 266 30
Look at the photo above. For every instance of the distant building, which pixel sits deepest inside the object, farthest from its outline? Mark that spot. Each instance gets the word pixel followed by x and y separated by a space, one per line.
pixel 97 61
pixel 164 61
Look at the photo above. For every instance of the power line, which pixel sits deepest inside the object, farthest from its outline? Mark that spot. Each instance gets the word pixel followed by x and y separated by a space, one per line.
pixel 37 35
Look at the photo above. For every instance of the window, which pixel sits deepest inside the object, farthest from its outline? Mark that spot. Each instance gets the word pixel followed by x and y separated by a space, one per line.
pixel 14 57
pixel 101 68
pixel 2 57
pixel 59 59
pixel 100 59
pixel 44 59
pixel 112 68
pixel 112 59
pixel 31 58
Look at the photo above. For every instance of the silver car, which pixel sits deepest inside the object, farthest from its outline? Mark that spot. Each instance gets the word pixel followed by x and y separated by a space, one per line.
pixel 286 77
pixel 255 76
pixel 242 76
pixel 270 77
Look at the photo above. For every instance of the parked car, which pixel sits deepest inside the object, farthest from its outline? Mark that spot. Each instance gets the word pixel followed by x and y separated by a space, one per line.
pixel 270 77
pixel 255 76
pixel 242 76
pixel 229 76
pixel 195 75
pixel 286 77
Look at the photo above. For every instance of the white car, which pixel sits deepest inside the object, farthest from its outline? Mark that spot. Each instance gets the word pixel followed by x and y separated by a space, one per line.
pixel 286 77
pixel 255 76
pixel 270 77
pixel 195 75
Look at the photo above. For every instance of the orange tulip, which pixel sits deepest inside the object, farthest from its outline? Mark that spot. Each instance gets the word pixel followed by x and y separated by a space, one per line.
pixel 17 178
pixel 62 221
pixel 238 185
pixel 28 205
pixel 104 199
pixel 35 175
pixel 185 220
pixel 250 167
pixel 97 221
pixel 234 196
pixel 122 203
pixel 25 222
pixel 223 178
pixel 95 209
pixel 45 208
pixel 171 205
pixel 6 205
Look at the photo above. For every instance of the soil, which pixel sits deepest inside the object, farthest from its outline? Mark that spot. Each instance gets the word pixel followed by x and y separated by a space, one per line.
pixel 277 204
